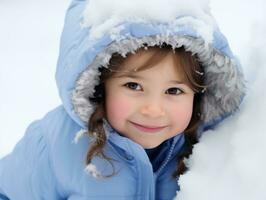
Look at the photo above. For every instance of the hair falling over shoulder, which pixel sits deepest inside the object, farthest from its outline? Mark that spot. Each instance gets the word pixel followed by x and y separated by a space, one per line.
pixel 194 76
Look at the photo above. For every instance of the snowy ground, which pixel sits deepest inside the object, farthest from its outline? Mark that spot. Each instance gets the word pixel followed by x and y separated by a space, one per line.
pixel 229 163
pixel 29 39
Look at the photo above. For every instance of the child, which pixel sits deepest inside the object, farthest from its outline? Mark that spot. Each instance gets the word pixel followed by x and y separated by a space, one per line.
pixel 142 88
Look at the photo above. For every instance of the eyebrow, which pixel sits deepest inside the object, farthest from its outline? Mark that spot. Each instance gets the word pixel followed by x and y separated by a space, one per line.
pixel 134 76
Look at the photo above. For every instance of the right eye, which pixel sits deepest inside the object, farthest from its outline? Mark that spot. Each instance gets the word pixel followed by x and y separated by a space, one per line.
pixel 133 86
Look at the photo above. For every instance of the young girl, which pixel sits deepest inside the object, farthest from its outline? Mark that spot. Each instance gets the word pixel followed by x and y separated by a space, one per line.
pixel 137 92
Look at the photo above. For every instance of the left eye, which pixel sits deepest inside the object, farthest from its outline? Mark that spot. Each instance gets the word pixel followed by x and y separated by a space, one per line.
pixel 133 86
pixel 174 91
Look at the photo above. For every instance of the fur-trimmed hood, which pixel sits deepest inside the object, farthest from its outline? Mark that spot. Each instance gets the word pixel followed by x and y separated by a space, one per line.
pixel 89 40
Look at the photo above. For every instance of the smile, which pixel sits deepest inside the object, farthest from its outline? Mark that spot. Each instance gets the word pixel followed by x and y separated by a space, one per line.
pixel 148 129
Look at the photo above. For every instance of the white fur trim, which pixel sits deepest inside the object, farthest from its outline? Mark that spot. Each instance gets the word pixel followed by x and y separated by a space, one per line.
pixel 226 85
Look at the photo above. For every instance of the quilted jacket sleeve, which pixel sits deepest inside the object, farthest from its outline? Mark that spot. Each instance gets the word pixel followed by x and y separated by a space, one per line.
pixel 26 172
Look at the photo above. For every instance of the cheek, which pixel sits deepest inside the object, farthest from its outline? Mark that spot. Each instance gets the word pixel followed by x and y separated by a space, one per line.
pixel 117 108
pixel 181 115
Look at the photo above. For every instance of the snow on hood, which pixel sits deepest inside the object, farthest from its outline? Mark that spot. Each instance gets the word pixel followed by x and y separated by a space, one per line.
pixel 96 29
pixel 101 16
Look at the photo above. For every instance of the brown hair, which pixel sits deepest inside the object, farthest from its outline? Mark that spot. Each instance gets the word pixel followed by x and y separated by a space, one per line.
pixel 193 75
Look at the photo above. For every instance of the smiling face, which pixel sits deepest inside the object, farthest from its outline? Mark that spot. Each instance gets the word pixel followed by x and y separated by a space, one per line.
pixel 151 105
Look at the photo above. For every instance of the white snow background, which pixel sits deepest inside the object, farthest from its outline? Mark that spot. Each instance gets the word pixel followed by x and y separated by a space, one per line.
pixel 228 163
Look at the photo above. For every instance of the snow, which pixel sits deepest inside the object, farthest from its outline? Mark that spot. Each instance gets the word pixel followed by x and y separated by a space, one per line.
pixel 93 171
pixel 228 163
pixel 29 39
pixel 104 16
pixel 98 11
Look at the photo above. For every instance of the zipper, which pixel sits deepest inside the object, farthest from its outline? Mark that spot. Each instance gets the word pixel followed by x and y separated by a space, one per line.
pixel 166 161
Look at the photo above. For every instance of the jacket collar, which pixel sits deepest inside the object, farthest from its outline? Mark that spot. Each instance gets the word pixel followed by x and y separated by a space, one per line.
pixel 134 150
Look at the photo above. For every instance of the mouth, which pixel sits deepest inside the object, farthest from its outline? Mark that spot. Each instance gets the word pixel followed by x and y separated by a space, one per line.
pixel 148 129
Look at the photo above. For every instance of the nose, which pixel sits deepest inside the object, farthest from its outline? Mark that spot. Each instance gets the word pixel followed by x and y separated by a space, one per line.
pixel 153 110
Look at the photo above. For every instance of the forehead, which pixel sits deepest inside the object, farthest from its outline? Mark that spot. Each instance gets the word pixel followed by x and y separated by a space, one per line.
pixel 143 60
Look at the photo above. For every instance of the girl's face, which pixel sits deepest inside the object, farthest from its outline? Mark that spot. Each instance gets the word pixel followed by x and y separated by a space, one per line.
pixel 148 106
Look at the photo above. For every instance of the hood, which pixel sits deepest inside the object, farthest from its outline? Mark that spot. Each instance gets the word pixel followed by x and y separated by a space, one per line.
pixel 96 29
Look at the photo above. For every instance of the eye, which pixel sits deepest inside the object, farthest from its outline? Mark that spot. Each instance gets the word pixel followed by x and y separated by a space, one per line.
pixel 133 86
pixel 174 91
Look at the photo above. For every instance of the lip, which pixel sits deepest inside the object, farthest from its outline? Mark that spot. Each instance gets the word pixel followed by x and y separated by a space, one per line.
pixel 148 129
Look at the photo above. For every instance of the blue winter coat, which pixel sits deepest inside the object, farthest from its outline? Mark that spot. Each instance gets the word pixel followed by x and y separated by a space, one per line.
pixel 48 164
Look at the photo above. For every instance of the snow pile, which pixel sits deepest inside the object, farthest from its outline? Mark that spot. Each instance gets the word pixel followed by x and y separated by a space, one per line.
pixel 229 162
pixel 103 15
